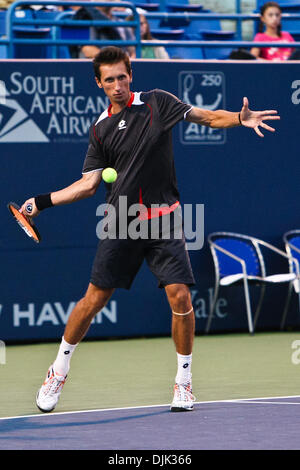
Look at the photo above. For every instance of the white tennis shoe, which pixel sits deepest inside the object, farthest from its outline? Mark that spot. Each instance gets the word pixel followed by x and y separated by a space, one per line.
pixel 49 393
pixel 183 398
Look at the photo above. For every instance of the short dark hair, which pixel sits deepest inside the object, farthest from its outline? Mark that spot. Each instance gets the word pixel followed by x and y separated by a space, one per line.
pixel 111 55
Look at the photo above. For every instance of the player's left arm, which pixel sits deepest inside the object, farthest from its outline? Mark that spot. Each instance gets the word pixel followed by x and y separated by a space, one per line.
pixel 225 119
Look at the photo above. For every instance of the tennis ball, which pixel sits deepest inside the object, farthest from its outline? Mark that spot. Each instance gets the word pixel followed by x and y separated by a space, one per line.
pixel 109 175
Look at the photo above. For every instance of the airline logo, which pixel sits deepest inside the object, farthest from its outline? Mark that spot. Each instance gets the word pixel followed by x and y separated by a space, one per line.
pixel 46 108
pixel 16 126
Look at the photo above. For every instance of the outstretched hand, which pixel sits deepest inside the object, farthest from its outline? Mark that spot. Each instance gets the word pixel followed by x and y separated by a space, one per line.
pixel 255 119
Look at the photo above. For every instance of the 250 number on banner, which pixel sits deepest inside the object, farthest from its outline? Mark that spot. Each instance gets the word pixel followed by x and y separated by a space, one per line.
pixel 204 90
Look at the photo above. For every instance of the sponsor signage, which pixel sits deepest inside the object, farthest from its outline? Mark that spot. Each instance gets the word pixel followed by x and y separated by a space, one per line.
pixel 46 108
pixel 204 90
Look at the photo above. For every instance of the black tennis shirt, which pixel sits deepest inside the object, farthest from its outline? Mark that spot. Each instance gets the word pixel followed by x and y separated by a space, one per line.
pixel 137 142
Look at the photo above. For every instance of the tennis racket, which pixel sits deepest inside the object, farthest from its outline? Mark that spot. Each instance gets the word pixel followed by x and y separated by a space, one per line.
pixel 24 222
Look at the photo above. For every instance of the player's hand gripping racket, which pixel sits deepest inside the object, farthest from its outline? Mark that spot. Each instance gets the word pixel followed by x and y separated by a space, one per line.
pixel 25 223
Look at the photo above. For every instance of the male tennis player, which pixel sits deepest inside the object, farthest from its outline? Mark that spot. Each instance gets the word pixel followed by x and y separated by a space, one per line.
pixel 134 136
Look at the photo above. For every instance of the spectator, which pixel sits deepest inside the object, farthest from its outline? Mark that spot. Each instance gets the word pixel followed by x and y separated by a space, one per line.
pixel 271 19
pixel 149 52
pixel 4 4
pixel 101 32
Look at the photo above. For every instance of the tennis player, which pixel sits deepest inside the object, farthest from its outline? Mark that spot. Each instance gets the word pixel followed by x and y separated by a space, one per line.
pixel 134 136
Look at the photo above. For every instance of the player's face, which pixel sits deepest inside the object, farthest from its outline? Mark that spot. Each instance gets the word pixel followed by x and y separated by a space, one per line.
pixel 272 17
pixel 115 82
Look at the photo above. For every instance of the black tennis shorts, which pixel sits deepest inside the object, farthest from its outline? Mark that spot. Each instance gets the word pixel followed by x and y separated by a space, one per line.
pixel 117 262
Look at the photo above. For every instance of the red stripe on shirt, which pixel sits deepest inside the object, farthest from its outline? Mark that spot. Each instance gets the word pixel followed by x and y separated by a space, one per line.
pixel 153 212
pixel 130 100
pixel 96 135
pixel 150 113
pixel 128 104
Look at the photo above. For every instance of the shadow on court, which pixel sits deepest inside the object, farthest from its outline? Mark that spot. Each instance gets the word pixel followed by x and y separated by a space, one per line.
pixel 29 423
pixel 237 425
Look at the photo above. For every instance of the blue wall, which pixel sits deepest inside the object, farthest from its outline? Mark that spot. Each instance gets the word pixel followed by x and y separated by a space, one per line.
pixel 247 184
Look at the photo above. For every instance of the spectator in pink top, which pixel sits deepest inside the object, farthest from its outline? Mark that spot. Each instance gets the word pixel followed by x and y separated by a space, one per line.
pixel 271 19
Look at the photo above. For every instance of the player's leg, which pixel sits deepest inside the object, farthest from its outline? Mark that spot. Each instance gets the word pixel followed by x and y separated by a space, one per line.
pixel 84 311
pixel 78 323
pixel 183 318
pixel 183 331
pixel 169 261
pixel 116 264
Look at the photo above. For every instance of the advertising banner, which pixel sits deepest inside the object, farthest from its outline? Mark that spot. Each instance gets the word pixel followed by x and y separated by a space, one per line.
pixel 229 180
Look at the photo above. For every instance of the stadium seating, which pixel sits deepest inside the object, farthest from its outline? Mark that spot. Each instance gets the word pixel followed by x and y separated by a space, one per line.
pixel 166 34
pixel 30 51
pixel 217 52
pixel 3 53
pixel 147 6
pixel 201 29
pixel 154 23
pixel 238 259
pixel 292 245
pixel 260 3
pixel 69 32
pixel 177 52
pixel 2 22
pixel 183 5
pixel 165 29
pixel 45 14
pixel 293 25
pixel 192 28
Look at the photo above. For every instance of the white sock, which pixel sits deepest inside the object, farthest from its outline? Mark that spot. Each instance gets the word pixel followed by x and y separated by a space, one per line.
pixel 184 364
pixel 61 364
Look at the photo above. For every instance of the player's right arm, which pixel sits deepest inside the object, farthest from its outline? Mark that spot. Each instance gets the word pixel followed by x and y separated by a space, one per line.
pixel 83 188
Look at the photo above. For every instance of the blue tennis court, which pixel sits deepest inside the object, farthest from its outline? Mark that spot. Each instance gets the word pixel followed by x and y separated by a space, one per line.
pixel 253 424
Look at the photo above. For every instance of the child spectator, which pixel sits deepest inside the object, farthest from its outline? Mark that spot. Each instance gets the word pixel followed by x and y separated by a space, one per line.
pixel 271 19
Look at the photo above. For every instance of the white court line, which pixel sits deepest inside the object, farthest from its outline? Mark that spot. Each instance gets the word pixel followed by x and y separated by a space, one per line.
pixel 235 400
pixel 270 402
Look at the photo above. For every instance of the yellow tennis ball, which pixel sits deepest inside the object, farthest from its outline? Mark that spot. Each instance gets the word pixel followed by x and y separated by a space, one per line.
pixel 109 175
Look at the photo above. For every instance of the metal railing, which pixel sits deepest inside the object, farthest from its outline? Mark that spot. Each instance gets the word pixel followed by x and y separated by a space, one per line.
pixel 11 21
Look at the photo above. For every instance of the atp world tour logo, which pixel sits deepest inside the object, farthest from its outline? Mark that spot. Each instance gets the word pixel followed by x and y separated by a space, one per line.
pixel 204 90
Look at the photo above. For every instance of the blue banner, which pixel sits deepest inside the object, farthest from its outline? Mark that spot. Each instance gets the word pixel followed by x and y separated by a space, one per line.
pixel 247 185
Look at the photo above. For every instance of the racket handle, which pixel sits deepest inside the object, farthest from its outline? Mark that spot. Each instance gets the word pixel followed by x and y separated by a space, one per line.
pixel 29 208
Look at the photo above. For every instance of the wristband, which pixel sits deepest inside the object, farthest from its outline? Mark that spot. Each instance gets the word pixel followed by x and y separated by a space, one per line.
pixel 240 119
pixel 43 201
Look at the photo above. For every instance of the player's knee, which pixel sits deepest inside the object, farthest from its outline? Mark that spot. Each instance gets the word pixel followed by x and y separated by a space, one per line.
pixel 97 300
pixel 181 299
